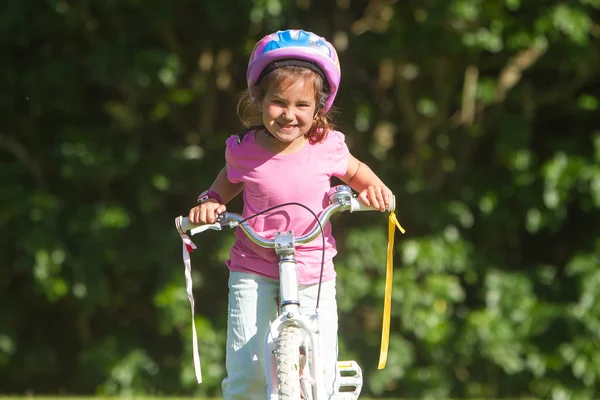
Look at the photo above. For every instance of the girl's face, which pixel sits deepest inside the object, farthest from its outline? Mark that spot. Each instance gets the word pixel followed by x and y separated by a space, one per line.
pixel 288 112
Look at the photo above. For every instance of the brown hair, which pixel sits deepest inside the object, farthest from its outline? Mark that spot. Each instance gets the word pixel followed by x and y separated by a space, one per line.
pixel 249 108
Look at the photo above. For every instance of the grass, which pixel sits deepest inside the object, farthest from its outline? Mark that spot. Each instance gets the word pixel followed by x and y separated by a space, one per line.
pixel 99 398
pixel 58 397
pixel 32 397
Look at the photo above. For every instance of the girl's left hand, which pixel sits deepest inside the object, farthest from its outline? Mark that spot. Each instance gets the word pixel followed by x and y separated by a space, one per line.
pixel 377 197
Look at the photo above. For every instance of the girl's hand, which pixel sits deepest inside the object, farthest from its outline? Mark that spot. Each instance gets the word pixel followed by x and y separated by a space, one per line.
pixel 377 197
pixel 206 213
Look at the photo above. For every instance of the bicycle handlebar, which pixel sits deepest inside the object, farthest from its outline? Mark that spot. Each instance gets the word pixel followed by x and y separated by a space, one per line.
pixel 341 199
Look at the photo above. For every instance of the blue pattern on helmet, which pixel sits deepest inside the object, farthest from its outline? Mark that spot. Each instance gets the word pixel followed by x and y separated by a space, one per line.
pixel 285 39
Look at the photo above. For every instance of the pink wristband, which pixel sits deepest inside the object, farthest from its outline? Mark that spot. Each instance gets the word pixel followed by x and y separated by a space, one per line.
pixel 209 194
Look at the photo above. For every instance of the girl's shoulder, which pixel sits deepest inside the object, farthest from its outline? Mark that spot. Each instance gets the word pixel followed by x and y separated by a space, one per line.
pixel 241 139
pixel 336 136
pixel 239 147
pixel 334 141
pixel 334 152
pixel 232 140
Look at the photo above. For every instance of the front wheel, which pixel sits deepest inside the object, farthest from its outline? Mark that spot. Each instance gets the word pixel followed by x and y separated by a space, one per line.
pixel 291 359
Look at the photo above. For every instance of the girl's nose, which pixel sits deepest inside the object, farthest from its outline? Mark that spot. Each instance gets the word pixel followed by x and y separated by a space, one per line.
pixel 288 114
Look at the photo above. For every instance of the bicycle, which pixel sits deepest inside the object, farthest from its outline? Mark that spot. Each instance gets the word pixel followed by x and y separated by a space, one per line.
pixel 292 357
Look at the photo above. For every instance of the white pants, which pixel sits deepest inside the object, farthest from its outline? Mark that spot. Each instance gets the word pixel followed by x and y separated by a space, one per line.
pixel 253 303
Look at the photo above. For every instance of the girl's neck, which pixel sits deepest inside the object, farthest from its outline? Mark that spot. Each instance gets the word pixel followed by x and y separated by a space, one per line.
pixel 274 145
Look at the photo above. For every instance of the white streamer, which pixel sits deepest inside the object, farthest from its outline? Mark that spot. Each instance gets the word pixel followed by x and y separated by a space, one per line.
pixel 189 246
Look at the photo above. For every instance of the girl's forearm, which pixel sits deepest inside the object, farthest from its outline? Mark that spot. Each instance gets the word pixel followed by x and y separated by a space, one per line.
pixel 224 187
pixel 359 176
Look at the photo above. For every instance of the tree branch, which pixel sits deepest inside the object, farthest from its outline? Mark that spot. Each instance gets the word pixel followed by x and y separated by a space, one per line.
pixel 22 155
pixel 508 78
pixel 469 97
pixel 511 74
pixel 376 18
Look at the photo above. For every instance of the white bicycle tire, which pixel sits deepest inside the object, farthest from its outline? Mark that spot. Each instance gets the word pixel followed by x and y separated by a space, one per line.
pixel 289 368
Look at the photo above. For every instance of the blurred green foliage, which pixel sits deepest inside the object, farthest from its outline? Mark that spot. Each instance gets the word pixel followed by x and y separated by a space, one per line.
pixel 482 116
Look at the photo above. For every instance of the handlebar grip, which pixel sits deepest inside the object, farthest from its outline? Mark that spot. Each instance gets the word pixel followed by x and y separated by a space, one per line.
pixel 357 205
pixel 183 224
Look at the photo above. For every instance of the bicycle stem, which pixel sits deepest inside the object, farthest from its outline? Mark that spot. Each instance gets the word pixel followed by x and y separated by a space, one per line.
pixel 288 270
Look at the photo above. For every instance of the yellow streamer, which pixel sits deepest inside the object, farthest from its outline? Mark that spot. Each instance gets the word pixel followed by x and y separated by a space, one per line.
pixel 387 301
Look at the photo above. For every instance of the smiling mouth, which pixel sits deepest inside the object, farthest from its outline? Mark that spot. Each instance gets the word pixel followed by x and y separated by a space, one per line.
pixel 287 126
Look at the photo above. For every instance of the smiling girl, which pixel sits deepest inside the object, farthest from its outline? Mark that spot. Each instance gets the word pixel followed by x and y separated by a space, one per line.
pixel 288 153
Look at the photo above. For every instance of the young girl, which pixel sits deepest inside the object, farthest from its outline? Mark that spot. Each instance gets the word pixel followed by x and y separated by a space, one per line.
pixel 288 153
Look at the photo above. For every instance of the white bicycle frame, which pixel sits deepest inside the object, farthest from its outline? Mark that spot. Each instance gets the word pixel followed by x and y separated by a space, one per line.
pixel 284 243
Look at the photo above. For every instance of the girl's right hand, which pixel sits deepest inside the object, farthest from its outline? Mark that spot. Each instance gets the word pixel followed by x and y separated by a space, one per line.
pixel 206 213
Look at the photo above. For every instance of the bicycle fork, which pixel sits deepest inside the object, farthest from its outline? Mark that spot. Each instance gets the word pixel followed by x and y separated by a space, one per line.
pixel 349 373
pixel 290 314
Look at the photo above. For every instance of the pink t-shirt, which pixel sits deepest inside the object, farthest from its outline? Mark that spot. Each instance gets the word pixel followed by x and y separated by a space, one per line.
pixel 272 179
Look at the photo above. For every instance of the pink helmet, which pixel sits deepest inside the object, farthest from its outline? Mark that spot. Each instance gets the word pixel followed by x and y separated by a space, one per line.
pixel 296 47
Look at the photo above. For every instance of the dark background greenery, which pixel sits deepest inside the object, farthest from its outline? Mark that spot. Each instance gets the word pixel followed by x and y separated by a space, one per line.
pixel 481 115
